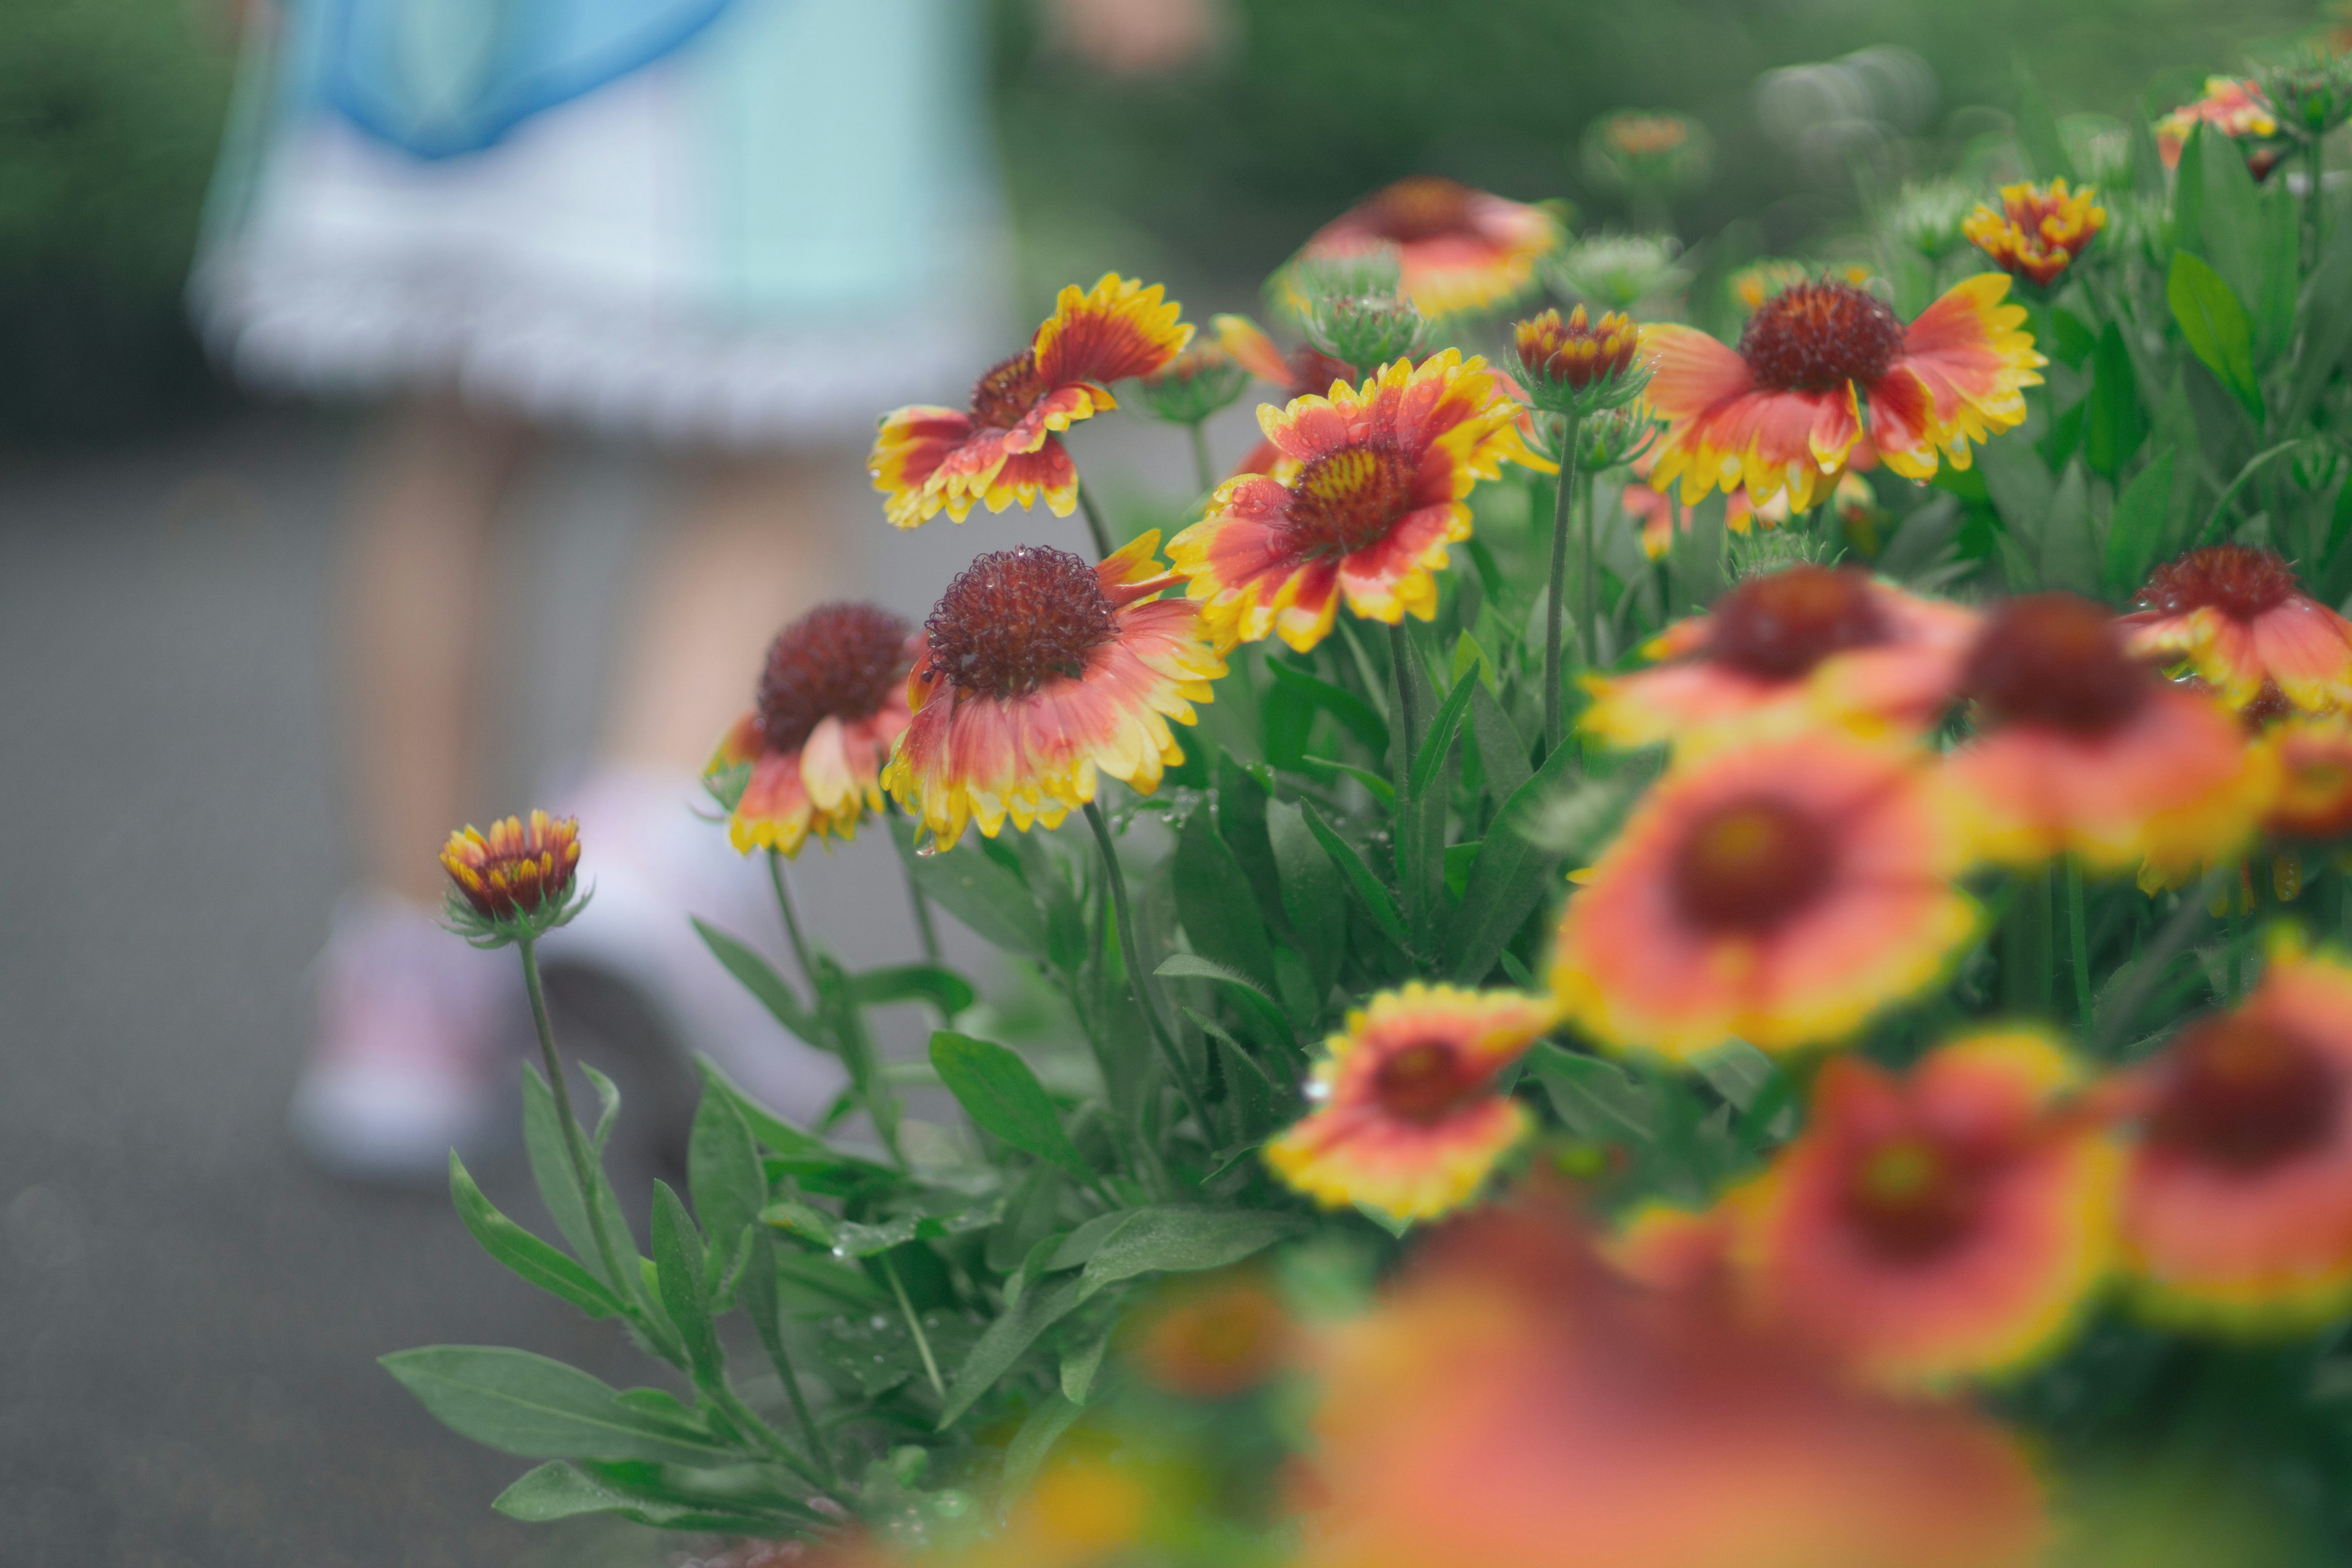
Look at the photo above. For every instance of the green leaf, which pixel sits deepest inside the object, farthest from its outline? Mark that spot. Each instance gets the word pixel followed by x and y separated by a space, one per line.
pixel 2116 425
pixel 1459 859
pixel 1192 967
pixel 1004 1098
pixel 1382 789
pixel 1468 655
pixel 2037 130
pixel 1509 876
pixel 1079 1366
pixel 2072 340
pixel 679 1265
pixel 1312 900
pixel 1216 903
pixel 944 989
pixel 1026 1452
pixel 1254 1091
pixel 2022 490
pixel 1502 751
pixel 2070 556
pixel 1078 1245
pixel 802 1155
pixel 1006 1341
pixel 2188 188
pixel 518 1403
pixel 758 976
pixel 1374 897
pixel 2327 327
pixel 1359 718
pixel 985 895
pixel 538 1262
pixel 2215 326
pixel 658 1496
pixel 858 1239
pixel 1182 1240
pixel 2136 532
pixel 1595 1098
pixel 1738 1071
pixel 722 1169
pixel 551 1167
pixel 1435 744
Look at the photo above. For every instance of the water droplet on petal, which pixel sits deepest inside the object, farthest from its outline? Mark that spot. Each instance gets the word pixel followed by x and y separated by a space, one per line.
pixel 926 849
pixel 1318 1091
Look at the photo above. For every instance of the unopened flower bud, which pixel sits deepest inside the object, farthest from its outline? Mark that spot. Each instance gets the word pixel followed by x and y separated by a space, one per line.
pixel 2039 230
pixel 1575 366
pixel 515 882
pixel 1196 384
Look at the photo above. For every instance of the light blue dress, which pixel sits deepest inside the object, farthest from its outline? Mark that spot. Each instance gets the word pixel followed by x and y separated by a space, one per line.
pixel 742 222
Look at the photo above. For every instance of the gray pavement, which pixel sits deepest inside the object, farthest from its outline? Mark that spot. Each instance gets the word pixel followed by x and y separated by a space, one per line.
pixel 189 1315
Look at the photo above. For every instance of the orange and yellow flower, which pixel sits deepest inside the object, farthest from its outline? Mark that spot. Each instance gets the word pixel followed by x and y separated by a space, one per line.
pixel 1213 1338
pixel 2312 801
pixel 1803 642
pixel 1379 495
pixel 2082 750
pixel 1778 891
pixel 831 704
pixel 2237 1209
pixel 1303 372
pixel 2039 230
pixel 1455 249
pixel 1785 410
pixel 2231 105
pixel 1003 448
pixel 2235 615
pixel 1034 674
pixel 514 882
pixel 1942 1225
pixel 1408 1122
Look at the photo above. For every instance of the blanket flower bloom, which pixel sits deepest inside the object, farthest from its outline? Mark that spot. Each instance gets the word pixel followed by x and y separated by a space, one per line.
pixel 1786 409
pixel 1302 372
pixel 1455 249
pixel 515 882
pixel 832 703
pixel 1806 640
pixel 1778 891
pixel 1379 494
pixel 2237 1209
pixel 2039 230
pixel 1003 448
pixel 1941 1225
pixel 2232 106
pixel 2235 615
pixel 1409 1121
pixel 1036 672
pixel 2082 750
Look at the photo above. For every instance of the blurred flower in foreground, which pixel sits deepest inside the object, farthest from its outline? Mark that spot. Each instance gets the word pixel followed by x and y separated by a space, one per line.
pixel 1618 271
pixel 2082 749
pixel 2039 230
pixel 1379 495
pixel 1038 671
pixel 1004 449
pixel 513 883
pixel 1804 639
pixel 1786 409
pixel 2233 108
pixel 1779 891
pixel 809 755
pixel 1512 1406
pixel 1213 1337
pixel 2312 801
pixel 1409 1123
pixel 2238 1207
pixel 1455 249
pixel 1082 1510
pixel 1576 366
pixel 2236 615
pixel 1943 1224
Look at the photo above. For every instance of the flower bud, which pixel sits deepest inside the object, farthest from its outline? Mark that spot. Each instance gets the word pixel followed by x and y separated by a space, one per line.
pixel 1196 384
pixel 515 882
pixel 2310 91
pixel 2039 230
pixel 1356 311
pixel 1618 271
pixel 1928 216
pixel 1576 367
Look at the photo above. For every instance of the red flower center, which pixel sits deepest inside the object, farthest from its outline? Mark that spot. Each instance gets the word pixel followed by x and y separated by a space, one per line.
pixel 1910 1199
pixel 1780 627
pixel 1007 391
pixel 1425 1083
pixel 2054 660
pixel 2244 1094
pixel 1421 207
pixel 1748 865
pixel 2239 580
pixel 1349 500
pixel 838 661
pixel 1017 618
pixel 1813 337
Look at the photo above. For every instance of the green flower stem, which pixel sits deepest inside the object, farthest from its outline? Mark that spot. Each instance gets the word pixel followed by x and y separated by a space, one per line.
pixel 2079 941
pixel 1095 523
pixel 2315 212
pixel 722 1394
pixel 1408 718
pixel 2026 944
pixel 575 1140
pixel 1561 505
pixel 811 1433
pixel 869 1085
pixel 1204 468
pixel 914 1325
pixel 1132 955
pixel 924 926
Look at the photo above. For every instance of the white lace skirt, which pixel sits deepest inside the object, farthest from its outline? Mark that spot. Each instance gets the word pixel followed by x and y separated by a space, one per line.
pixel 768 236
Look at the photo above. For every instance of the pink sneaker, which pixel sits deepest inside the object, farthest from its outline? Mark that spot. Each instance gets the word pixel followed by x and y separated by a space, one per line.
pixel 417 1038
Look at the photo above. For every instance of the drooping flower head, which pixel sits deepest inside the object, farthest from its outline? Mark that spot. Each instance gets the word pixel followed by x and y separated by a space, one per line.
pixel 1455 249
pixel 1833 642
pixel 1003 448
pixel 2082 749
pixel 2238 1207
pixel 1940 1226
pixel 1383 471
pixel 2039 230
pixel 1512 1405
pixel 808 756
pixel 1778 891
pixel 1409 1123
pixel 516 882
pixel 1577 366
pixel 1786 409
pixel 2235 615
pixel 1036 672
pixel 2233 108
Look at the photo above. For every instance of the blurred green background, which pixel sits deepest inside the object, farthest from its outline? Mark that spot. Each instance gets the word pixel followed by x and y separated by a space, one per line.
pixel 109 111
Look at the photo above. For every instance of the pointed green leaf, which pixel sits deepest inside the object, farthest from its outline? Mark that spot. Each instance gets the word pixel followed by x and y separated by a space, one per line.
pixel 734 1502
pixel 542 1264
pixel 1006 1341
pixel 722 1168
pixel 1192 967
pixel 679 1266
pixel 984 894
pixel 2136 532
pixel 1178 1240
pixel 1358 717
pixel 518 1403
pixel 1312 900
pixel 758 976
pixel 1002 1097
pixel 944 989
pixel 1435 744
pixel 2215 326
pixel 1216 903
pixel 1368 889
